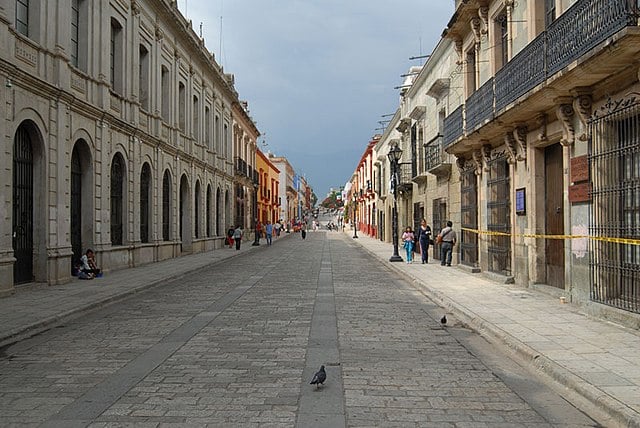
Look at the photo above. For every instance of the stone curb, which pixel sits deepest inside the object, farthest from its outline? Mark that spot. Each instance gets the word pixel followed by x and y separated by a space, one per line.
pixel 616 412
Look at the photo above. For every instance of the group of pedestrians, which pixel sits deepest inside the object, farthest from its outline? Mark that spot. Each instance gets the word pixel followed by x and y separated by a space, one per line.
pixel 235 233
pixel 447 238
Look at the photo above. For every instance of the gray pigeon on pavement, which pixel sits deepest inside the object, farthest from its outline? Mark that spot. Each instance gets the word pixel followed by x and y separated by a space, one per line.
pixel 319 377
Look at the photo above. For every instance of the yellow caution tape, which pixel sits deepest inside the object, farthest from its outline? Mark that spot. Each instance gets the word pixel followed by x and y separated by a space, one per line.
pixel 628 241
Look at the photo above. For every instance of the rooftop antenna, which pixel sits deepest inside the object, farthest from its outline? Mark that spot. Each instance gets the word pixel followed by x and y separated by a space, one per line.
pixel 221 10
pixel 200 29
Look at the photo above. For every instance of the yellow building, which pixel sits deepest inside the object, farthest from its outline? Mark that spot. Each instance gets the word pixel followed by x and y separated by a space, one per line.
pixel 268 194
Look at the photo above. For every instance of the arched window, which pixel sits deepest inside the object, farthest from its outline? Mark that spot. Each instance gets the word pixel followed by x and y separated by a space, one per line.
pixel 117 199
pixel 197 210
pixel 145 206
pixel 182 106
pixel 166 205
pixel 209 211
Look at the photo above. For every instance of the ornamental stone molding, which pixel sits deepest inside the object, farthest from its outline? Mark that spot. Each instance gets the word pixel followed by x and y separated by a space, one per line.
pixel 459 45
pixel 135 8
pixel 476 28
pixel 541 123
pixel 583 105
pixel 483 14
pixel 460 163
pixel 566 113
pixel 510 144
pixel 477 160
pixel 486 156
pixel 520 135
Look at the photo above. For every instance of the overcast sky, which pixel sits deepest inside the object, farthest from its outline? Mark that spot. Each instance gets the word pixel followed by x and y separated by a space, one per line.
pixel 318 74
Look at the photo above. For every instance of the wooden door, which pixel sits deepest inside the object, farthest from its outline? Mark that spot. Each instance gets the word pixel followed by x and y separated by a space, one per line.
pixel 554 248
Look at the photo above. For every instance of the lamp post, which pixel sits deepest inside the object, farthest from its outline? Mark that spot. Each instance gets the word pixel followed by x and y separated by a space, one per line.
pixel 355 216
pixel 394 158
pixel 256 185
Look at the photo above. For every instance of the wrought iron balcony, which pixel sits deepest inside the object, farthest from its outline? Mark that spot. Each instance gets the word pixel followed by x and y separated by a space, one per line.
pixel 404 175
pixel 583 26
pixel 435 158
pixel 241 167
pixel 479 106
pixel 453 127
pixel 525 71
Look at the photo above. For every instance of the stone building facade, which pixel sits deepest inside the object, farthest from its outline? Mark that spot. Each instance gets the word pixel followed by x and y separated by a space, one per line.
pixel 268 189
pixel 116 131
pixel 522 128
pixel 548 138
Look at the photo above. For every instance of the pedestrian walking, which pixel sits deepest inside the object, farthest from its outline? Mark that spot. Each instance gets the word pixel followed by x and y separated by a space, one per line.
pixel 268 229
pixel 258 230
pixel 408 238
pixel 424 239
pixel 448 238
pixel 237 236
pixel 303 230
pixel 230 236
pixel 277 228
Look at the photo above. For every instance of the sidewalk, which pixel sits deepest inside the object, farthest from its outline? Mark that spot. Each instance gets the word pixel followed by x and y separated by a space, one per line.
pixel 35 309
pixel 597 360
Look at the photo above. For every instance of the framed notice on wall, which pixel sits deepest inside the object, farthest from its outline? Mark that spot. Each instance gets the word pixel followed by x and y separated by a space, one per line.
pixel 521 201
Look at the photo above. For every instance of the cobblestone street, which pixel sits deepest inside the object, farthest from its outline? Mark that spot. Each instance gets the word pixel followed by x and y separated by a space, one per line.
pixel 236 343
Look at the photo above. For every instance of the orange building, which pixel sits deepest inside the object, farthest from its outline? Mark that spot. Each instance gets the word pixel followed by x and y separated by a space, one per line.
pixel 268 194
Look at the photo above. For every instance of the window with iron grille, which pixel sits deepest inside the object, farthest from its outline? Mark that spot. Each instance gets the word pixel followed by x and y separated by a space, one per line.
pixel 145 197
pixel 498 212
pixel 117 199
pixel 469 211
pixel 166 205
pixel 614 159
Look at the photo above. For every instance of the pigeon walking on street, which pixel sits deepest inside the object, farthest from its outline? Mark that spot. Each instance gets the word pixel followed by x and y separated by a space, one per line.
pixel 319 377
pixel 443 320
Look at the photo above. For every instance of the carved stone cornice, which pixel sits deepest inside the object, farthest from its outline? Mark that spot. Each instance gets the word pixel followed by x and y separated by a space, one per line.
pixel 483 14
pixel 159 33
pixel 541 123
pixel 510 144
pixel 460 162
pixel 566 113
pixel 459 44
pixel 135 8
pixel 477 160
pixel 583 105
pixel 520 135
pixel 486 156
pixel 476 28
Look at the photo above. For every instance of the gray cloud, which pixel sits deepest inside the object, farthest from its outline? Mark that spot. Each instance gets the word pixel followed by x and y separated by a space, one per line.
pixel 319 73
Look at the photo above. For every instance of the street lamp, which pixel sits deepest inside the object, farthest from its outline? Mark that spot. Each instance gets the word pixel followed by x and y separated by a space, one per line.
pixel 394 158
pixel 355 216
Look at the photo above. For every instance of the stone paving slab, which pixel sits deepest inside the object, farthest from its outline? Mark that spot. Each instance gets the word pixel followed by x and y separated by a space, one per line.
pixel 34 309
pixel 597 359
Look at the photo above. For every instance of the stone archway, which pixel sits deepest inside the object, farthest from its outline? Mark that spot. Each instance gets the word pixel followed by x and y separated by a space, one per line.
pixel 81 204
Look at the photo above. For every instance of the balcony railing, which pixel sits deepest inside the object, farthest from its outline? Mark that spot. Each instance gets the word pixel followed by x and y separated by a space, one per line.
pixel 241 167
pixel 522 73
pixel 582 27
pixel 479 106
pixel 453 127
pixel 577 31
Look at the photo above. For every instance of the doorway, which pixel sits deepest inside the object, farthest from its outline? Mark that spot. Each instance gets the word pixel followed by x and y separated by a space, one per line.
pixel 22 207
pixel 554 248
